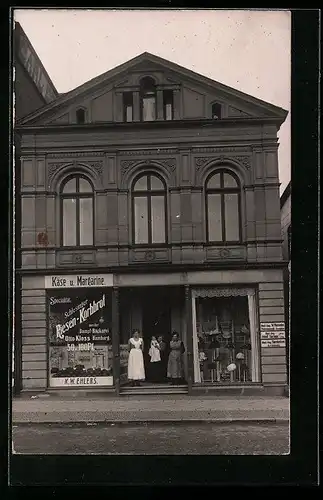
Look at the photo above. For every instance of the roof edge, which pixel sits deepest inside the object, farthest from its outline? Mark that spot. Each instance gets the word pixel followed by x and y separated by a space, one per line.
pixel 63 98
pixel 286 194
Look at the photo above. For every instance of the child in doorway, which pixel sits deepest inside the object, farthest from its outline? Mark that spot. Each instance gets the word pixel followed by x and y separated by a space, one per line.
pixel 155 359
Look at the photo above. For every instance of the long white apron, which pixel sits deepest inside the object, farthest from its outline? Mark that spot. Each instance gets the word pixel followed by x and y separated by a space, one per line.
pixel 136 369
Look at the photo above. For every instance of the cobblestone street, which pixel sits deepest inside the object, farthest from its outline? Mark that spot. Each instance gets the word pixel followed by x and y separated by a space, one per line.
pixel 153 439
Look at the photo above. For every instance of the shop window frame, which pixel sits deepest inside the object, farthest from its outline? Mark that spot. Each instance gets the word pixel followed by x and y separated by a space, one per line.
pixel 222 191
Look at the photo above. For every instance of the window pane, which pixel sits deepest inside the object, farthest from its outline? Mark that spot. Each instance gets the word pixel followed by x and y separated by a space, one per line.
pixel 158 219
pixel 69 222
pixel 214 217
pixel 148 108
pixel 129 113
pixel 231 217
pixel 169 112
pixel 141 220
pixel 156 183
pixel 70 186
pixel 141 184
pixel 80 116
pixel 214 182
pixel 85 186
pixel 86 221
pixel 229 181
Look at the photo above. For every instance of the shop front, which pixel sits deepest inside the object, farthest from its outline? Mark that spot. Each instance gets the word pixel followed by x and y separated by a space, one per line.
pixel 76 329
pixel 225 335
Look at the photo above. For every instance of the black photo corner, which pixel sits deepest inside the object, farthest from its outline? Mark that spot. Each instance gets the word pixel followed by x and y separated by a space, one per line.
pixel 300 467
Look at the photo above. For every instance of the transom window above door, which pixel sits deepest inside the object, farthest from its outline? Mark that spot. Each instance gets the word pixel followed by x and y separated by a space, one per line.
pixel 149 210
pixel 77 197
pixel 223 207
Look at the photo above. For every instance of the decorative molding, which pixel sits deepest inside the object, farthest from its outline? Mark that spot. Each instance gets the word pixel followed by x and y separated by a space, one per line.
pixel 170 163
pixel 201 161
pixel 150 255
pixel 224 253
pixel 224 149
pixel 141 152
pixel 126 165
pixel 98 166
pixel 53 167
pixel 244 160
pixel 77 258
pixel 76 154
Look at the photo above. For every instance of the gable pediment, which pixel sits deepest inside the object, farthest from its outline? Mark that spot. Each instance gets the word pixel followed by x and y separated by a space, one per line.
pixel 200 93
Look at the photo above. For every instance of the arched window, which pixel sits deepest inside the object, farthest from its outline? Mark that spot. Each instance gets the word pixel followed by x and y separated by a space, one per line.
pixel 223 200
pixel 216 111
pixel 80 115
pixel 147 99
pixel 76 212
pixel 149 210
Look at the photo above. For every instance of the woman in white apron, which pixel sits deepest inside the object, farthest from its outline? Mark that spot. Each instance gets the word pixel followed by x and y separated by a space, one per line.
pixel 136 369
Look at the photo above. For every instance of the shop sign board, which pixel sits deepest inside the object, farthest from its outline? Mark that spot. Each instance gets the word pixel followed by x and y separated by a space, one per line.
pixel 81 381
pixel 273 334
pixel 79 281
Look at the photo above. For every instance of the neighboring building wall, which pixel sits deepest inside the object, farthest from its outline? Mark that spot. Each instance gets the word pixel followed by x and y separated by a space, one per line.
pixel 34 333
pixel 27 96
pixel 286 235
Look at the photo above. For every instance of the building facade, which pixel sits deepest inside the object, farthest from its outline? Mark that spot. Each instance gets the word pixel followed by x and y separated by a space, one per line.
pixel 150 201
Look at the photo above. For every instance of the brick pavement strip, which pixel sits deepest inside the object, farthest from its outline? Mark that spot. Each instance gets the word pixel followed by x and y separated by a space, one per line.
pixel 113 410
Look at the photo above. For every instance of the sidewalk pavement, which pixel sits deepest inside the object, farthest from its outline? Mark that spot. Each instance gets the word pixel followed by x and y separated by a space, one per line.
pixel 179 408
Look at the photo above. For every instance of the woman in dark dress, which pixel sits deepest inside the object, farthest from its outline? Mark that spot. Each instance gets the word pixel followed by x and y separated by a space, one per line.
pixel 163 359
pixel 175 362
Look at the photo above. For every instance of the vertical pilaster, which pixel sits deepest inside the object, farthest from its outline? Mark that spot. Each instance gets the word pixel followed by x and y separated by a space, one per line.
pixel 189 330
pixel 136 106
pixel 116 339
pixel 177 104
pixel 160 105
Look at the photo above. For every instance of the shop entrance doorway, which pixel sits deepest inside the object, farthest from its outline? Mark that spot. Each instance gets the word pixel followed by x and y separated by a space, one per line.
pixel 156 321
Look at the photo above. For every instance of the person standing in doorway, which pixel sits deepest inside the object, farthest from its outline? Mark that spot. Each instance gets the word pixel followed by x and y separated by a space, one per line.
pixel 175 364
pixel 163 359
pixel 155 360
pixel 136 369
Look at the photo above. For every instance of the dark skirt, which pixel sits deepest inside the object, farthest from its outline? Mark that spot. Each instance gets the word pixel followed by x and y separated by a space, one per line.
pixel 154 371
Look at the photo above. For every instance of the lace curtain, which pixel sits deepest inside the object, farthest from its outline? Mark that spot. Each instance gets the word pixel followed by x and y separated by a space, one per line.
pixel 222 292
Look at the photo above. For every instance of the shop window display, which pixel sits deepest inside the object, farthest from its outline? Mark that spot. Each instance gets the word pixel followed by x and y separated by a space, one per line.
pixel 223 339
pixel 80 344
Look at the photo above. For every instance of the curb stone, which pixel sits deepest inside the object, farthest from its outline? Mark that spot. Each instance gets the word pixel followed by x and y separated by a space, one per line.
pixel 83 423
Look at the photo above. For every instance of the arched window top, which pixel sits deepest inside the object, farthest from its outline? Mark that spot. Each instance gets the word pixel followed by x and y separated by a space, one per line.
pixel 148 182
pixel 222 179
pixel 147 85
pixel 216 111
pixel 80 115
pixel 76 184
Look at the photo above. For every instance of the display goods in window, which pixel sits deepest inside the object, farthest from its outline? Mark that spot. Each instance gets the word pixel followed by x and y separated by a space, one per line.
pixel 80 347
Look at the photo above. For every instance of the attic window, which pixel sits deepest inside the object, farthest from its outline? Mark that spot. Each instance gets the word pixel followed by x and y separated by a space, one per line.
pixel 148 99
pixel 80 115
pixel 168 104
pixel 216 111
pixel 128 107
